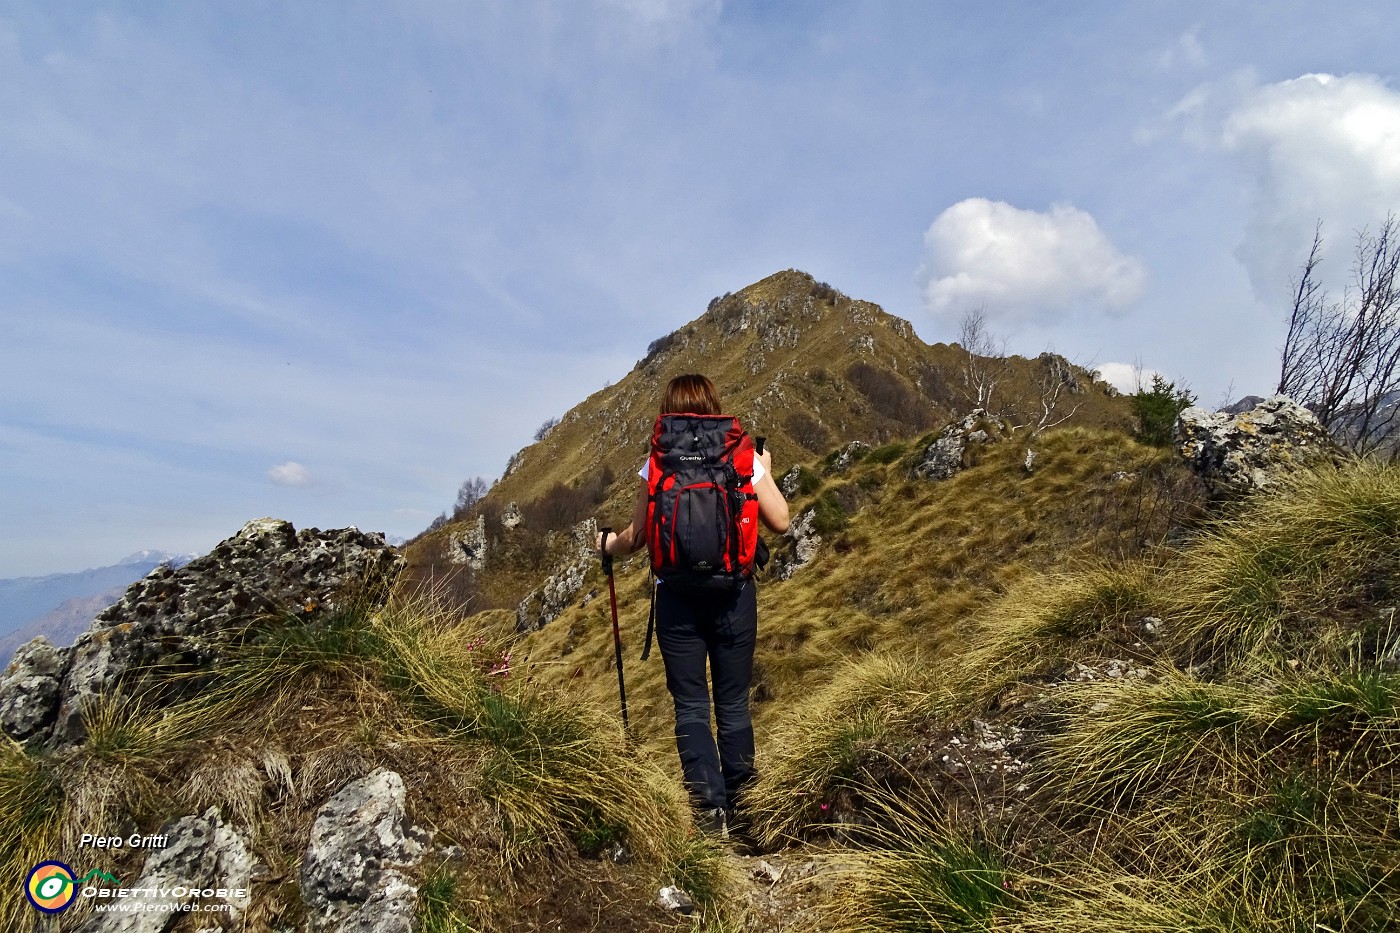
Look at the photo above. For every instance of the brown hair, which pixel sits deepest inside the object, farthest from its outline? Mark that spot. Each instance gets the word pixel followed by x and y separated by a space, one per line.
pixel 690 394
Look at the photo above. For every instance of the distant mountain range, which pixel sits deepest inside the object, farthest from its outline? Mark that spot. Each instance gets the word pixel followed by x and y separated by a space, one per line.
pixel 60 605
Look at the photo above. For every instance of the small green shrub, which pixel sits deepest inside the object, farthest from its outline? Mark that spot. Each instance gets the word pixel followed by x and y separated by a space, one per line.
pixel 889 453
pixel 829 517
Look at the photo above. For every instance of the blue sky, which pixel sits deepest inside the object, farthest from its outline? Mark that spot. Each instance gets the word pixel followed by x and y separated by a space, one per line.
pixel 325 261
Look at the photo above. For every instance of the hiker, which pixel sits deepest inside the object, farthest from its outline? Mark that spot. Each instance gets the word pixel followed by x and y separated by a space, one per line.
pixel 719 622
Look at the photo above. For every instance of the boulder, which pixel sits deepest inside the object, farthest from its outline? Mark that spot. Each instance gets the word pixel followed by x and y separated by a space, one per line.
pixel 183 622
pixel 1236 454
pixel 202 853
pixel 948 454
pixel 29 689
pixel 790 481
pixel 805 544
pixel 351 878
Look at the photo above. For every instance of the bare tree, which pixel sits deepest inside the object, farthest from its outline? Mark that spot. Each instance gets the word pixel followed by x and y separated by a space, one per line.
pixel 1054 379
pixel 986 366
pixel 469 495
pixel 984 358
pixel 1341 359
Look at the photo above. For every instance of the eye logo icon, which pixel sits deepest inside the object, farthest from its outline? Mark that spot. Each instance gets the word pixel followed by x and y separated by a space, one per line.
pixel 50 887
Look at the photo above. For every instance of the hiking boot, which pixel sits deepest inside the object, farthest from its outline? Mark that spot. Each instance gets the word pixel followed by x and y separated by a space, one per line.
pixel 711 822
pixel 739 829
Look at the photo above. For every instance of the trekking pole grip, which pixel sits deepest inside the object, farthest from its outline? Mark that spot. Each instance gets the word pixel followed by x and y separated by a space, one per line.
pixel 603 551
pixel 758 443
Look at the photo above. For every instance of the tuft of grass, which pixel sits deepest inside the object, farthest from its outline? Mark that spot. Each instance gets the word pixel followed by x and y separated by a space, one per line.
pixel 868 701
pixel 887 453
pixel 1129 743
pixel 1046 619
pixel 32 804
pixel 830 515
pixel 699 867
pixel 923 875
pixel 1357 698
pixel 1283 573
pixel 439 910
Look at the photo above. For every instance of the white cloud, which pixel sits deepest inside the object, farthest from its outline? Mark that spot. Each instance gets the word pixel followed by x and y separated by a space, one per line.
pixel 1022 264
pixel 1314 148
pixel 1126 377
pixel 290 473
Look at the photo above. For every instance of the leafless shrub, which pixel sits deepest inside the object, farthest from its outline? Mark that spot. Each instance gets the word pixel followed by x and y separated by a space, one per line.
pixel 985 364
pixel 1341 359
pixel 808 431
pixel 543 430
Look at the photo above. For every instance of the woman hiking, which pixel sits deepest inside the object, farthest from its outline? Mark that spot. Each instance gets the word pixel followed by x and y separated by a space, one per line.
pixel 698 620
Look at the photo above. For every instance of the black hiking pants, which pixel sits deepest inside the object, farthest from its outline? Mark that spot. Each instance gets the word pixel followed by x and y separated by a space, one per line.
pixel 721 626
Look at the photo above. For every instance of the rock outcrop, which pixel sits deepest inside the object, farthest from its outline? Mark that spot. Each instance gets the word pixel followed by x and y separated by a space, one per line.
pixel 544 604
pixel 948 454
pixel 469 547
pixel 352 878
pixel 805 544
pixel 184 622
pixel 850 454
pixel 1236 454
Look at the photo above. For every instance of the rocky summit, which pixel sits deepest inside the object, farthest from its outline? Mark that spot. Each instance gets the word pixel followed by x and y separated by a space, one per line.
pixel 174 624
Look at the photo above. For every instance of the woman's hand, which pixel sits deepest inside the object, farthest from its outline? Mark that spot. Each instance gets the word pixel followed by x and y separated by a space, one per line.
pixel 765 458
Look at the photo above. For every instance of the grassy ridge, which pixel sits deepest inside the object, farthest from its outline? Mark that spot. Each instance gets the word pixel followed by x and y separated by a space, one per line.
pixel 908 567
pixel 1240 770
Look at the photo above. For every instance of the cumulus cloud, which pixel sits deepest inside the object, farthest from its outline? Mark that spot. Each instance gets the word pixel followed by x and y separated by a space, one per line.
pixel 1126 377
pixel 1314 148
pixel 1021 264
pixel 290 473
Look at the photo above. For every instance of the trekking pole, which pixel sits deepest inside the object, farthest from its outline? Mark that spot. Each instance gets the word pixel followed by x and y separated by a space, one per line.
pixel 617 635
pixel 758 443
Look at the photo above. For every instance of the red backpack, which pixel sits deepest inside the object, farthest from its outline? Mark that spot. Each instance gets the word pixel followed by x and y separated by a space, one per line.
pixel 702 513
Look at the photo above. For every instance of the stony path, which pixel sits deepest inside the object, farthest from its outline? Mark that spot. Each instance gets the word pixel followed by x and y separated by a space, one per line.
pixel 782 887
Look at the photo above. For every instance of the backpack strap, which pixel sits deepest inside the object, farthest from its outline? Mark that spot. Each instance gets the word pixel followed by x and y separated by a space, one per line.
pixel 651 621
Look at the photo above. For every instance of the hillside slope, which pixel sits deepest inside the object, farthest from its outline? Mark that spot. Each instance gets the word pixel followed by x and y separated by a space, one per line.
pixel 799 362
pixel 899 564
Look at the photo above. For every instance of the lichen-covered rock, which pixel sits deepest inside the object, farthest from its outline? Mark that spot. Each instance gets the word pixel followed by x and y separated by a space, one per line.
pixel 1236 454
pixel 948 454
pixel 469 547
pixel 29 689
pixel 351 877
pixel 789 482
pixel 805 544
pixel 543 605
pixel 202 853
pixel 510 516
pixel 182 622
pixel 849 454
